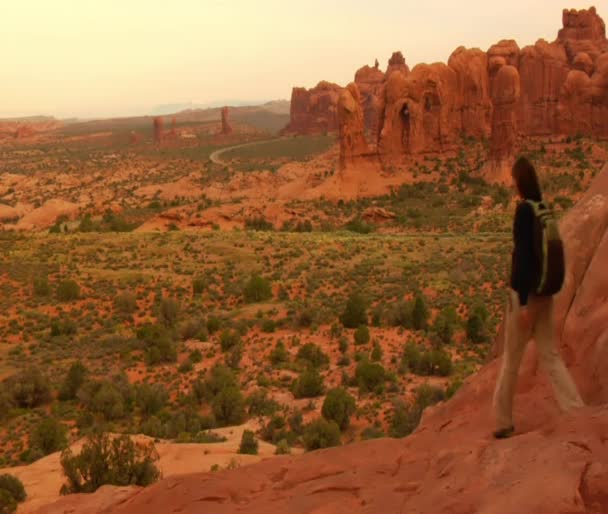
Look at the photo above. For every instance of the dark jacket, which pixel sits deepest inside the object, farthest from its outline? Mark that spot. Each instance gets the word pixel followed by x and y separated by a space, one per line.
pixel 524 265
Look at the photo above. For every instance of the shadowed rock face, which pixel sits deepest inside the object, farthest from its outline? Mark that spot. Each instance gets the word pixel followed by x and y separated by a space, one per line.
pixel 351 125
pixel 446 101
pixel 226 127
pixel 556 464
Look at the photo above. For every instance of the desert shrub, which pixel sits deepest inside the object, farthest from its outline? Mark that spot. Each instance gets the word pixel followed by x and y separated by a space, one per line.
pixel 158 344
pixel 195 356
pixel 359 226
pixel 213 324
pixel 8 504
pixel 259 404
pixel 376 354
pixel 370 376
pixel 406 417
pixel 400 315
pixel 258 223
pixel 372 432
pixel 355 312
pixel 125 303
pixel 229 339
pixel 312 355
pixel 112 399
pixel 199 284
pixel 68 290
pixel 41 286
pixel 168 312
pixel 361 335
pixel 321 434
pixel 275 430
pixel 268 326
pixel 61 327
pixel 257 289
pixel 150 398
pixel 229 406
pixel 14 486
pixel 283 448
pixel 420 313
pixel 49 436
pixel 445 324
pixel 29 388
pixel 249 444
pixel 477 331
pixel 279 354
pixel 102 461
pixel 338 406
pixel 309 384
pixel 73 381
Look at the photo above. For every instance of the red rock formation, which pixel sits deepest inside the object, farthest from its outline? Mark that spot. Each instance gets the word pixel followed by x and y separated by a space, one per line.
pixel 351 126
pixel 226 127
pixel 556 463
pixel 473 104
pixel 445 102
pixel 314 111
pixel 158 130
pixel 134 138
pixel 173 131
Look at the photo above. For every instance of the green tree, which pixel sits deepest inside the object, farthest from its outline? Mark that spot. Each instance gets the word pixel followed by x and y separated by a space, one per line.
pixel 376 354
pixel 229 339
pixel 321 434
pixel 249 444
pixel 309 384
pixel 49 436
pixel 150 398
pixel 355 312
pixel 445 324
pixel 114 461
pixel 338 406
pixel 257 289
pixel 73 381
pixel 41 286
pixel 125 303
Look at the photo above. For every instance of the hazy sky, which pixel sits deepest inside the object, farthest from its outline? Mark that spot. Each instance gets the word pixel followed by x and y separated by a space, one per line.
pixel 120 57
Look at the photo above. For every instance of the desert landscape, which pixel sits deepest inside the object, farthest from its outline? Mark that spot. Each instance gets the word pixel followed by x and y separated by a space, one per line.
pixel 297 306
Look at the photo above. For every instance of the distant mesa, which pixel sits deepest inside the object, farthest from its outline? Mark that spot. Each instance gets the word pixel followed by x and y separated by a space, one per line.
pixel 545 89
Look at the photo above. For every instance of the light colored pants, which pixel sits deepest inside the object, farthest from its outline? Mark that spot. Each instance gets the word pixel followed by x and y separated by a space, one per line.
pixel 543 330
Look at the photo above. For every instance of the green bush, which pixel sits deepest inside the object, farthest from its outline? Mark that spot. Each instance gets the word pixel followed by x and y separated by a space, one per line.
pixel 8 504
pixel 229 406
pixel 370 376
pixel 257 289
pixel 14 486
pixel 73 381
pixel 321 434
pixel 445 324
pixel 150 398
pixel 309 384
pixel 29 388
pixel 401 315
pixel 311 354
pixel 199 284
pixel 283 448
pixel 259 404
pixel 420 313
pixel 102 461
pixel 407 417
pixel 249 444
pixel 49 436
pixel 125 303
pixel 229 339
pixel 68 290
pixel 355 312
pixel 42 287
pixel 60 327
pixel 362 335
pixel 279 354
pixel 338 406
pixel 359 226
pixel 376 354
pixel 477 331
pixel 169 311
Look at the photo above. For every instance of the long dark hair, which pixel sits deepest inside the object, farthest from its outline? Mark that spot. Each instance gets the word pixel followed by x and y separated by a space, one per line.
pixel 526 180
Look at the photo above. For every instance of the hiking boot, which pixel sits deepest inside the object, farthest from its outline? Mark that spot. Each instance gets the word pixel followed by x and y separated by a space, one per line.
pixel 503 433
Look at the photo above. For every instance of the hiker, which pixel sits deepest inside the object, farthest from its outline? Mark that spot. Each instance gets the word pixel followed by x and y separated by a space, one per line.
pixel 537 273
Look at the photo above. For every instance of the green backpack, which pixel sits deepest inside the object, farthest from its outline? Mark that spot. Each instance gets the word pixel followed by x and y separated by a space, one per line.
pixel 548 250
